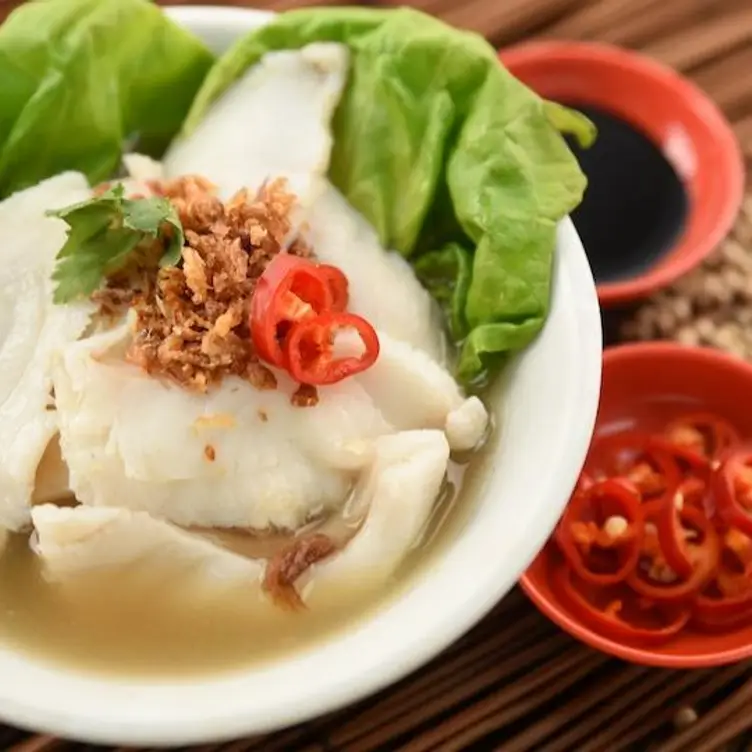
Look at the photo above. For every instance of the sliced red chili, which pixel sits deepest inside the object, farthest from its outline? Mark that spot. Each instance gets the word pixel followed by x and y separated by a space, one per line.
pixel 338 286
pixel 290 290
pixel 614 612
pixel 737 553
pixel 600 533
pixel 731 485
pixel 684 458
pixel 703 555
pixel 310 350
pixel 714 608
pixel 672 535
pixel 634 456
pixel 692 485
pixel 692 491
pixel 701 435
pixel 728 598
pixel 707 623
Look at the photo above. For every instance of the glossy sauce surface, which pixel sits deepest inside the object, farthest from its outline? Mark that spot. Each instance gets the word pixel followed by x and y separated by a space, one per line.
pixel 635 207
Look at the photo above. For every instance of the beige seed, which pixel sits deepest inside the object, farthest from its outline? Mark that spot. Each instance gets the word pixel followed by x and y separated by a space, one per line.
pixel 684 718
pixel 666 321
pixel 615 526
pixel 704 327
pixel 682 308
pixel 687 335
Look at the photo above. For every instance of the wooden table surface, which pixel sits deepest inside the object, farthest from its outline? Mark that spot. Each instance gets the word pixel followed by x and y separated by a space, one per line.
pixel 516 683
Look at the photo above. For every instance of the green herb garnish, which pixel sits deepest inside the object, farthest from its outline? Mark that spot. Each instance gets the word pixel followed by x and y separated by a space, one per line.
pixel 106 233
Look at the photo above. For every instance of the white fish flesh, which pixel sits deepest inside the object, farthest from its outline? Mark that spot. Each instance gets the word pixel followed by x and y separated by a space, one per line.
pixel 383 287
pixel 76 541
pixel 273 122
pixel 399 490
pixel 32 329
pixel 52 483
pixel 142 168
pixel 136 442
pixel 413 391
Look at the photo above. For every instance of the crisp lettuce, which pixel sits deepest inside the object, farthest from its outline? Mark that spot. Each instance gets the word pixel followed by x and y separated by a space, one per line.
pixel 80 76
pixel 456 163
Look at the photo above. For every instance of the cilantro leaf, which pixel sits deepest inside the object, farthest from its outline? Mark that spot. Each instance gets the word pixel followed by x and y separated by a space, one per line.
pixel 103 234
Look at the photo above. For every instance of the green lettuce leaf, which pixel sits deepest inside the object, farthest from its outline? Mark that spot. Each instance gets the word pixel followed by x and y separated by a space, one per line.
pixel 104 235
pixel 572 122
pixel 79 76
pixel 446 274
pixel 436 142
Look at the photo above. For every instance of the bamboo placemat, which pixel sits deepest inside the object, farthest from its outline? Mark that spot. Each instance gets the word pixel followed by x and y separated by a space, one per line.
pixel 516 683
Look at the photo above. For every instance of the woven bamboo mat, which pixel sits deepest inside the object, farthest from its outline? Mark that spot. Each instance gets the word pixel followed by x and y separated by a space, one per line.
pixel 515 683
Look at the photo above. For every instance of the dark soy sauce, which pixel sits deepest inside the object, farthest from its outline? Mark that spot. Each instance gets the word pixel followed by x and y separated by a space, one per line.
pixel 635 206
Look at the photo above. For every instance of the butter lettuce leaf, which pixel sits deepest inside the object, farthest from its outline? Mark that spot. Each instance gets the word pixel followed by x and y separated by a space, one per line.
pixel 78 77
pixel 446 274
pixel 435 142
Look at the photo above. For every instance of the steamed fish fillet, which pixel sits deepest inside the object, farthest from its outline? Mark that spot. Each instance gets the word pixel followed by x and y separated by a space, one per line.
pixel 142 168
pixel 413 391
pixel 383 286
pixel 233 457
pixel 76 541
pixel 274 122
pixel 399 490
pixel 141 172
pixel 32 329
pixel 52 483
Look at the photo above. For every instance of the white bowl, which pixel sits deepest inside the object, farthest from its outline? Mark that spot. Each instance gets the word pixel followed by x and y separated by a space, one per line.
pixel 545 409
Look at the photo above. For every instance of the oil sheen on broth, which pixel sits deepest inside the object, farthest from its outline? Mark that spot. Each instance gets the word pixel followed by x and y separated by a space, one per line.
pixel 635 206
pixel 124 627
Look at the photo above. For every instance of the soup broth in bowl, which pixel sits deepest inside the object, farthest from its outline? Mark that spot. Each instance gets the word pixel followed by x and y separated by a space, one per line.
pixel 280 465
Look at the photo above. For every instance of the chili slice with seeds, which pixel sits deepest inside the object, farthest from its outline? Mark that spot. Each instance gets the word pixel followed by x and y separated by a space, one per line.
pixel 600 533
pixel 728 598
pixel 310 349
pixel 290 290
pixel 609 612
pixel 672 536
pixel 702 435
pixel 732 489
pixel 634 456
pixel 693 486
pixel 703 557
pixel 339 287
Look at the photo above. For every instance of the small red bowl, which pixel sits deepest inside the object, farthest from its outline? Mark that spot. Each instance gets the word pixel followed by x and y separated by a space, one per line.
pixel 677 116
pixel 644 386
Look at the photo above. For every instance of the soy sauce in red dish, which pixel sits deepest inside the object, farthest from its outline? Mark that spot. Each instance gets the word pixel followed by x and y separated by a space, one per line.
pixel 635 207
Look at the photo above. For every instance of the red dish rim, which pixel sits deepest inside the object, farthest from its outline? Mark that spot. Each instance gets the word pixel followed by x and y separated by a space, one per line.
pixel 558 615
pixel 728 160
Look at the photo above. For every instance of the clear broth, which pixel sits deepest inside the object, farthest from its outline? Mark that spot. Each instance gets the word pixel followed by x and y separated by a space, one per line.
pixel 119 624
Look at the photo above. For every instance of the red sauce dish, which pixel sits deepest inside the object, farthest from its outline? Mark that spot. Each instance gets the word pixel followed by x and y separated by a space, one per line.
pixel 652 559
pixel 691 135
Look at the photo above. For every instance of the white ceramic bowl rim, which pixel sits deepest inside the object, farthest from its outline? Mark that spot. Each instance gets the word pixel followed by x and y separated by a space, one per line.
pixel 548 406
